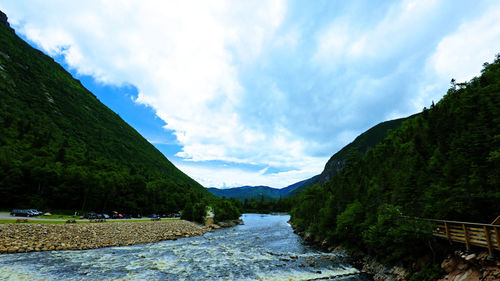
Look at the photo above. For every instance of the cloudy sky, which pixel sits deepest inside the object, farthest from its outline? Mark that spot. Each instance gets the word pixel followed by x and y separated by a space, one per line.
pixel 261 92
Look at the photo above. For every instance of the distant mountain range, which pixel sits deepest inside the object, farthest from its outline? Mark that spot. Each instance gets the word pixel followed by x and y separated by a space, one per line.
pixel 256 193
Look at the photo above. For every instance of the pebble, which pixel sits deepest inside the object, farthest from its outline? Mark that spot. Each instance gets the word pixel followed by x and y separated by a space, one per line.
pixel 17 238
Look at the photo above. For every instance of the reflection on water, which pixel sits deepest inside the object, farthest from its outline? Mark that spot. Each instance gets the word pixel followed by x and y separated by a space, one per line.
pixel 265 248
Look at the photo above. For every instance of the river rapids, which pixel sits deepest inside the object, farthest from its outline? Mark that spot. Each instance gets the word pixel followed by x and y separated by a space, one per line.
pixel 264 248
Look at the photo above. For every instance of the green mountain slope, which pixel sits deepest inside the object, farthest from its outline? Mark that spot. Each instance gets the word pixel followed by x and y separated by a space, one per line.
pixel 443 163
pixel 62 148
pixel 297 187
pixel 362 144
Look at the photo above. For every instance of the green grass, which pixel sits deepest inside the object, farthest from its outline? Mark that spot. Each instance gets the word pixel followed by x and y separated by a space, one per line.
pixel 37 221
pixel 86 221
pixel 65 217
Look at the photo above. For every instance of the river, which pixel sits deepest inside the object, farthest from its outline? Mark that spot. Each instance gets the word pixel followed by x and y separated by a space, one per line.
pixel 264 248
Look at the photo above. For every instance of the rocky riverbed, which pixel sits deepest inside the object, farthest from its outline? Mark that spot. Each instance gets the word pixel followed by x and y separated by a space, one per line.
pixel 20 238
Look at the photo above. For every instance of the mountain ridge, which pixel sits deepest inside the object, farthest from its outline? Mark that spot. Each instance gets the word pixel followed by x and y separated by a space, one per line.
pixel 259 192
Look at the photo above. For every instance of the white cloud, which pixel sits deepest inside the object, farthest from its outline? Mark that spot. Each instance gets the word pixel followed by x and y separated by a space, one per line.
pixel 182 58
pixel 345 40
pixel 234 177
pixel 462 54
pixel 247 82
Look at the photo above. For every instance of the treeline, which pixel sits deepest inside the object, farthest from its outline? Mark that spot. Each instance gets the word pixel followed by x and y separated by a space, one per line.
pixel 223 209
pixel 443 163
pixel 262 206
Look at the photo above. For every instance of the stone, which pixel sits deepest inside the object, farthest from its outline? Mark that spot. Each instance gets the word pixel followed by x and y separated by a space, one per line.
pixel 469 275
pixel 470 257
pixel 448 265
pixel 462 266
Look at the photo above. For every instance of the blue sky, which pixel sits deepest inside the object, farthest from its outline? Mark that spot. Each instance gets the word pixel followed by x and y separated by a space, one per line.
pixel 261 92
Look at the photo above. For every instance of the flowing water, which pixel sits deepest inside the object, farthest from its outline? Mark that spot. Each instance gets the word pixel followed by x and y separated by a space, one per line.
pixel 264 248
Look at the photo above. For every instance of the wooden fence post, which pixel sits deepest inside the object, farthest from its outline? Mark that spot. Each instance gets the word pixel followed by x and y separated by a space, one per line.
pixel 447 229
pixel 488 241
pixel 497 234
pixel 467 246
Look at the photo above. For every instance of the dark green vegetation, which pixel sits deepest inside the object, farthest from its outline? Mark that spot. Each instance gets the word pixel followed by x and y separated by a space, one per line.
pixel 282 205
pixel 361 144
pixel 61 148
pixel 443 163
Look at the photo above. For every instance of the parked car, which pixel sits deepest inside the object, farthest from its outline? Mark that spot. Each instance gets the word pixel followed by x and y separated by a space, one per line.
pixel 90 216
pixel 137 216
pixel 106 216
pixel 153 216
pixel 22 213
pixel 35 212
pixel 116 215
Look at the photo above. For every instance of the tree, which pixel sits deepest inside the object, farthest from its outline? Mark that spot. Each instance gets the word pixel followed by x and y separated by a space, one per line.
pixel 188 211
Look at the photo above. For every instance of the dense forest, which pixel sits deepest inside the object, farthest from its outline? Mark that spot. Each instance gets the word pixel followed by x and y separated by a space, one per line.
pixel 362 143
pixel 61 148
pixel 443 163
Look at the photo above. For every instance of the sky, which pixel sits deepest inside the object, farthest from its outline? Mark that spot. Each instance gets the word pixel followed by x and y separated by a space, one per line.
pixel 261 92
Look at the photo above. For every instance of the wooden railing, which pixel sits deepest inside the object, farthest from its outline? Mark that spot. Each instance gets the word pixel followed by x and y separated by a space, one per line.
pixel 477 234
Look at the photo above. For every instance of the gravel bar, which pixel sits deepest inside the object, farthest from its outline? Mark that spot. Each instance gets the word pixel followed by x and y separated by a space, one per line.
pixel 21 238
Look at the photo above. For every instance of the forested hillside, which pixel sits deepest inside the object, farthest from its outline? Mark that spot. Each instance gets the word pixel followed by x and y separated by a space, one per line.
pixel 367 140
pixel 443 163
pixel 62 148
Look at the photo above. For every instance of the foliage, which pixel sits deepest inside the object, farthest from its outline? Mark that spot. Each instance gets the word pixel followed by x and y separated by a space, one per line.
pixel 199 212
pixel 442 163
pixel 188 211
pixel 362 143
pixel 225 209
pixel 263 206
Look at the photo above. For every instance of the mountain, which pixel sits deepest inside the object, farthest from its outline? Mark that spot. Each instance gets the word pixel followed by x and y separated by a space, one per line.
pixel 443 163
pixel 297 187
pixel 247 192
pixel 367 140
pixel 61 148
pixel 256 193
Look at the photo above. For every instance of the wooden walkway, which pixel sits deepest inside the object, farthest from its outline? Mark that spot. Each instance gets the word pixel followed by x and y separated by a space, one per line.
pixel 477 234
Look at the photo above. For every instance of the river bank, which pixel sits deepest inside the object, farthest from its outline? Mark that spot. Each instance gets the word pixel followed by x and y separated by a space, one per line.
pixel 455 266
pixel 21 238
